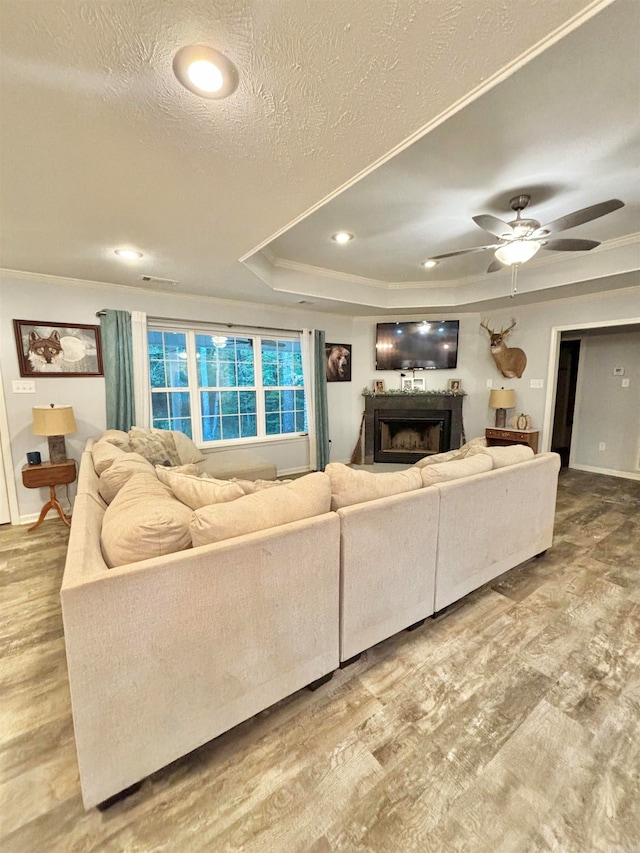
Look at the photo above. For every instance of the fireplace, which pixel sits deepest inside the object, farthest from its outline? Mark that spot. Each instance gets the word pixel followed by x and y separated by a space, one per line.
pixel 406 436
pixel 405 427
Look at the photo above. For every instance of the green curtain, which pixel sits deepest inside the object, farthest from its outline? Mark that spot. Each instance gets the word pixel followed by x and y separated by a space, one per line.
pixel 321 409
pixel 117 357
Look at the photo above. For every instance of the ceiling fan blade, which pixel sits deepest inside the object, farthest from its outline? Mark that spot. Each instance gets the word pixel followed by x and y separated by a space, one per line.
pixel 493 225
pixel 461 252
pixel 570 245
pixel 579 217
pixel 495 266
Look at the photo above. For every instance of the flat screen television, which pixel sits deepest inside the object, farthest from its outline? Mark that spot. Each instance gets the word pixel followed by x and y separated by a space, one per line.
pixel 420 345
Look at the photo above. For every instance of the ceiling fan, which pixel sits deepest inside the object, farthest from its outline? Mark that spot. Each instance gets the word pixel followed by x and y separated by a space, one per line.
pixel 521 238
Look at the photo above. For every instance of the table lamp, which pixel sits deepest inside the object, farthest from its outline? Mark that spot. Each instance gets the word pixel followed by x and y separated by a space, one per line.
pixel 502 399
pixel 55 422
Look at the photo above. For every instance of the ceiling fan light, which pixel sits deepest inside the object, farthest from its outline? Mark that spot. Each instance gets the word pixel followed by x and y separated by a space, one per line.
pixel 517 252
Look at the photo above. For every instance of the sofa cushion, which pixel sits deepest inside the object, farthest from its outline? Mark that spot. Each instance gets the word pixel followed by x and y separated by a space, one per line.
pixel 187 451
pixel 158 446
pixel 350 486
pixel 144 520
pixel 501 457
pixel 120 472
pixel 195 491
pixel 304 498
pixel 104 453
pixel 455 469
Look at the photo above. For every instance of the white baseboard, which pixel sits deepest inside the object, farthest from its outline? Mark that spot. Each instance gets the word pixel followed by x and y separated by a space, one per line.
pixel 29 519
pixel 286 471
pixel 591 469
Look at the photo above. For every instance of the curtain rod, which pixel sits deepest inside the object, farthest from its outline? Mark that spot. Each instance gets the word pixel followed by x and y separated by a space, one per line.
pixel 210 323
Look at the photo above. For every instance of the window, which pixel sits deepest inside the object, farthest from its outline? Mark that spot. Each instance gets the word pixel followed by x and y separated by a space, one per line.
pixel 219 387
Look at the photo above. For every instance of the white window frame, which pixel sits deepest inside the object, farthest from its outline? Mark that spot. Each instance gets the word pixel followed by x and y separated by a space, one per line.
pixel 194 390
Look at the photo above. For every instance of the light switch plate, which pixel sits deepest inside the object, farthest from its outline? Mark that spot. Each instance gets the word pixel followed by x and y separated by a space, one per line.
pixel 536 383
pixel 23 386
pixel 625 383
pixel 489 383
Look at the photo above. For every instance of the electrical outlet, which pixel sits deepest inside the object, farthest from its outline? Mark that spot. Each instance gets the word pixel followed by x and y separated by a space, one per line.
pixel 602 445
pixel 536 383
pixel 489 383
pixel 22 386
pixel 625 383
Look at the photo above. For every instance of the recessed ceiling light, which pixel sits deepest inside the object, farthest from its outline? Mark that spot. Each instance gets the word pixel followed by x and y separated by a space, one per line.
pixel 342 237
pixel 428 264
pixel 205 71
pixel 128 254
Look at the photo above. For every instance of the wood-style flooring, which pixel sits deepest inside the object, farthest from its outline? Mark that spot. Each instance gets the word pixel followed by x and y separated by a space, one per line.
pixel 511 723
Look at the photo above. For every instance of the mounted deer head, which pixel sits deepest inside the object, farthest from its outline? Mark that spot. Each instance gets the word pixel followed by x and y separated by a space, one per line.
pixel 510 361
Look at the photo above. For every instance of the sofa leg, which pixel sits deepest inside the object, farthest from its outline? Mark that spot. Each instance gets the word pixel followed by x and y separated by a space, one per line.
pixel 320 681
pixel 541 554
pixel 121 795
pixel 440 612
pixel 349 661
pixel 416 625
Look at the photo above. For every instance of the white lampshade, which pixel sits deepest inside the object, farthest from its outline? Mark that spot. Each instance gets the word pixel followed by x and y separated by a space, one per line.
pixel 502 398
pixel 517 252
pixel 53 420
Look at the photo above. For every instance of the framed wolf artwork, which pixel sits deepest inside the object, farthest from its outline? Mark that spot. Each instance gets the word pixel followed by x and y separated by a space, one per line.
pixel 58 349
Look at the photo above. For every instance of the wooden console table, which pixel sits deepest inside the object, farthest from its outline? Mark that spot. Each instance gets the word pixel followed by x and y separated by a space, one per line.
pixel 50 474
pixel 501 437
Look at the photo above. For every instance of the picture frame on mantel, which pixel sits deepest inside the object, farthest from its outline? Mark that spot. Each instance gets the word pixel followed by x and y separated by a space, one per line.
pixel 378 386
pixel 53 349
pixel 454 385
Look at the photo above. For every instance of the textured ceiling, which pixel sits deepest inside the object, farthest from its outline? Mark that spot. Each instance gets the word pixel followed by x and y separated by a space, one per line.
pixel 102 147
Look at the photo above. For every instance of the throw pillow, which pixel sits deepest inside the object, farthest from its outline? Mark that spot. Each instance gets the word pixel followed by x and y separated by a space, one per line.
pixel 143 521
pixel 187 451
pixel 250 487
pixel 350 486
pixel 197 492
pixel 117 437
pixel 158 446
pixel 455 469
pixel 304 498
pixel 469 449
pixel 501 457
pixel 104 454
pixel 120 472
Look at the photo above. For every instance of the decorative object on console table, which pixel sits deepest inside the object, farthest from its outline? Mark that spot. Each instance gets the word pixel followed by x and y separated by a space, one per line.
pixel 504 437
pixel 520 421
pixel 54 422
pixel 50 474
pixel 502 399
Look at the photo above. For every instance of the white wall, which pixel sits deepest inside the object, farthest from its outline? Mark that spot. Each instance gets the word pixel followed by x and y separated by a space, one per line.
pixel 30 298
pixel 606 412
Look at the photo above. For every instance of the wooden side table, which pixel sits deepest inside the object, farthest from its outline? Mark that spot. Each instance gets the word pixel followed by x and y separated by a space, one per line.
pixel 502 437
pixel 50 474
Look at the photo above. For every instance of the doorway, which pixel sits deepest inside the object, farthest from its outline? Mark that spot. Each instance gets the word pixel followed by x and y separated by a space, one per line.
pixel 566 383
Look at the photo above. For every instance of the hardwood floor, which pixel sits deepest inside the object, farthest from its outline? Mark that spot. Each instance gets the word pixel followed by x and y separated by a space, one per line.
pixel 511 723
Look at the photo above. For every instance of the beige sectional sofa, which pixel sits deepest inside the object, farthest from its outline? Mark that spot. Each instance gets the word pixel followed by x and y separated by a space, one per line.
pixel 167 651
